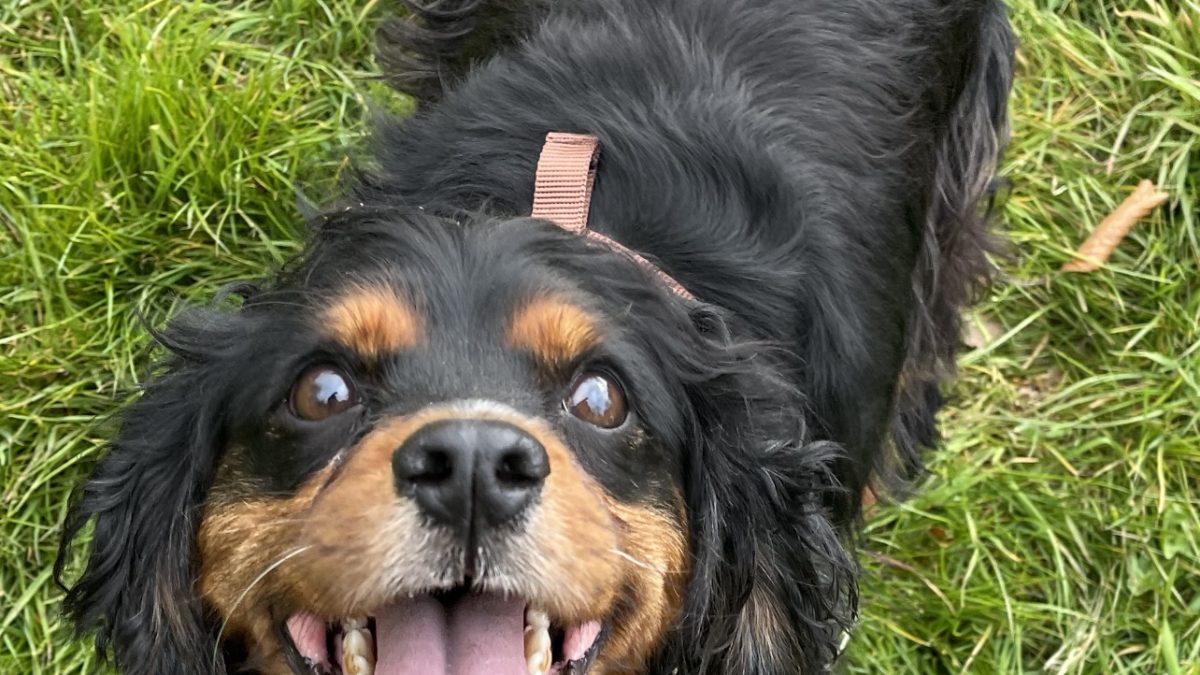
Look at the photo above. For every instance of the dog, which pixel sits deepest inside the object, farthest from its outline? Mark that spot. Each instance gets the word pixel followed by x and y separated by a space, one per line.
pixel 589 367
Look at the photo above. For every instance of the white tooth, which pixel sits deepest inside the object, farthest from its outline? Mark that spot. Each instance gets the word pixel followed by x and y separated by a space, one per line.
pixel 538 653
pixel 354 623
pixel 359 666
pixel 536 617
pixel 354 642
pixel 357 658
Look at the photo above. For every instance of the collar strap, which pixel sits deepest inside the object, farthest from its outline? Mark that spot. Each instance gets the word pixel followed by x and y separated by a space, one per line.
pixel 562 194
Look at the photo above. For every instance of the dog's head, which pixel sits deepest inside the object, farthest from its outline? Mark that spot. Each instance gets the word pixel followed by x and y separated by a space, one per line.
pixel 469 447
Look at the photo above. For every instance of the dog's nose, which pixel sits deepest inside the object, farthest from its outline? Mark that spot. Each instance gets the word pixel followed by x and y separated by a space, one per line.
pixel 459 471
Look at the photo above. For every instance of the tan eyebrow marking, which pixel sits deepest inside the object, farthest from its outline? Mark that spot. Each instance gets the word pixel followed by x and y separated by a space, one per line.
pixel 554 330
pixel 373 321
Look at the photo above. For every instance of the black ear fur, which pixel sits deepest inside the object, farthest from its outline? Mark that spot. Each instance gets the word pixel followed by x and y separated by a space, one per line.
pixel 772 585
pixel 144 496
pixel 778 582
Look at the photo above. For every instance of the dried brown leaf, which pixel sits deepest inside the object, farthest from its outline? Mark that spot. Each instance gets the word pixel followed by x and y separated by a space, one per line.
pixel 1096 250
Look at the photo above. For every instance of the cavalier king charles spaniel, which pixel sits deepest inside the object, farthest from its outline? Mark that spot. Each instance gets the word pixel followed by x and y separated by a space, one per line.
pixel 589 367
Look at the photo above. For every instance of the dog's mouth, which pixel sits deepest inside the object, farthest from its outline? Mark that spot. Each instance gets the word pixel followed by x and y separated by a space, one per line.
pixel 451 633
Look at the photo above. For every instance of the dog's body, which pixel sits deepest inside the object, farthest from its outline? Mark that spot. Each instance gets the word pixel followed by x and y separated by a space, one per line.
pixel 814 172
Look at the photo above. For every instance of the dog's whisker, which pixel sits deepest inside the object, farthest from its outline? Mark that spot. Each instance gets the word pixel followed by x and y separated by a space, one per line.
pixel 246 591
pixel 640 563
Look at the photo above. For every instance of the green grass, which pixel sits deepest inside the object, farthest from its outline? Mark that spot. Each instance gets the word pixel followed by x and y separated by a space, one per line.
pixel 148 154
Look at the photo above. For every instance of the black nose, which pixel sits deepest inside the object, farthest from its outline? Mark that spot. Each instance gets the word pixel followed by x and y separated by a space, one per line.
pixel 464 472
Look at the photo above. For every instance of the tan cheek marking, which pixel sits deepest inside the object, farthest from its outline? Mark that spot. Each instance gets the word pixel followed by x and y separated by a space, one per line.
pixel 576 541
pixel 356 527
pixel 373 321
pixel 319 550
pixel 237 541
pixel 655 544
pixel 553 330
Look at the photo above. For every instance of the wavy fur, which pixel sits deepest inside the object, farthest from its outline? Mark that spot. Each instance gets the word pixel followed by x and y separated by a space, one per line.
pixel 817 173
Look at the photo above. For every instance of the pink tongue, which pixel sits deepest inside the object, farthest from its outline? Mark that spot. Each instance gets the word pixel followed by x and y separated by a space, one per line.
pixel 474 635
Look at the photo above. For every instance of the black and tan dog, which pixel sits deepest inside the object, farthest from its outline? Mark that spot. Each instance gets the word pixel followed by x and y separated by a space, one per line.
pixel 454 438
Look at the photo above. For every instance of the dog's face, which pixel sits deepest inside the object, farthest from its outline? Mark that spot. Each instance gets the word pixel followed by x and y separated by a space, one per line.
pixel 465 453
pixel 491 447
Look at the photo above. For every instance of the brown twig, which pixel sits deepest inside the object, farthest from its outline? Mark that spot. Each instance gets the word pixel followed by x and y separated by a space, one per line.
pixel 1108 234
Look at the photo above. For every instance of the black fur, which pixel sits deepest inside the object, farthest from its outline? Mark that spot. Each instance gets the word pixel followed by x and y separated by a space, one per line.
pixel 145 497
pixel 777 157
pixel 816 173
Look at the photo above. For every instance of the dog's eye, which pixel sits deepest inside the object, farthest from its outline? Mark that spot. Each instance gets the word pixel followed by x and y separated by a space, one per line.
pixel 321 392
pixel 596 399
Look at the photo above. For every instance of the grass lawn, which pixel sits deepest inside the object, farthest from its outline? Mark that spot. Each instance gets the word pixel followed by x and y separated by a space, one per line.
pixel 148 153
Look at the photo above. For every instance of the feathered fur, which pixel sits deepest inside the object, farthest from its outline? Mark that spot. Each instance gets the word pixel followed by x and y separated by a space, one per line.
pixel 816 173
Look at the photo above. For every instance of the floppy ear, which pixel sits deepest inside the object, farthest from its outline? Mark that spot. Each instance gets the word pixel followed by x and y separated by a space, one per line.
pixel 136 590
pixel 772 585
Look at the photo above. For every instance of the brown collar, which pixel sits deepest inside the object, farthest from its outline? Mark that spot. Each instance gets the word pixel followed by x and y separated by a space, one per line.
pixel 562 194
